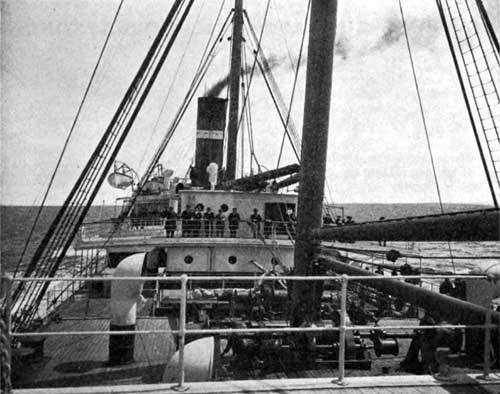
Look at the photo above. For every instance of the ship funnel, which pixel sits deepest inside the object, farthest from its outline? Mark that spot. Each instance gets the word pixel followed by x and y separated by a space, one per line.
pixel 210 127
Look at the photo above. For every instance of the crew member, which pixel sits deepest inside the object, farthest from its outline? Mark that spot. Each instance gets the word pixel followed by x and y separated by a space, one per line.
pixel 197 216
pixel 446 287
pixel 234 222
pixel 291 222
pixel 255 220
pixel 170 222
pixel 186 217
pixel 459 290
pixel 220 220
pixel 208 218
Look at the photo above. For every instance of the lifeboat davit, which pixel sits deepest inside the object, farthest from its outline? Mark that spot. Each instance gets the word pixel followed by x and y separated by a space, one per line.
pixel 119 180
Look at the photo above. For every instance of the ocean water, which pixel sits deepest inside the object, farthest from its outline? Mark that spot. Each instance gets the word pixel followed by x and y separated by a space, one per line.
pixel 16 223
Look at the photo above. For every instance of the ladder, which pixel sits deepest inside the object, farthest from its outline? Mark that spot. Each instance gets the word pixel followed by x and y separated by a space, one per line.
pixel 480 60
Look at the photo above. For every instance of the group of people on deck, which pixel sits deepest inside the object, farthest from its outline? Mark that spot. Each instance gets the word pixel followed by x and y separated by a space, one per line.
pixel 456 289
pixel 203 222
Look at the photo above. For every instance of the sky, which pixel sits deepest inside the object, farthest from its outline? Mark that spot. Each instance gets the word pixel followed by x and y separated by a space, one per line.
pixel 377 146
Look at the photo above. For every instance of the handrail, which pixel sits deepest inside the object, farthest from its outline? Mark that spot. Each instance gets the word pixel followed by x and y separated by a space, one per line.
pixel 182 332
pixel 185 228
pixel 244 278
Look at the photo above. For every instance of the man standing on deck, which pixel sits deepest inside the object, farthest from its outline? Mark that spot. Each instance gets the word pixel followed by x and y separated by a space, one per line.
pixel 186 217
pixel 170 222
pixel 291 222
pixel 255 220
pixel 196 220
pixel 234 222
pixel 208 218
pixel 220 220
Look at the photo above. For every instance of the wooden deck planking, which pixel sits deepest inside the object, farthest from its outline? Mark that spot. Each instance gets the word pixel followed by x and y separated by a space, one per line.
pixel 81 360
pixel 76 360
pixel 406 384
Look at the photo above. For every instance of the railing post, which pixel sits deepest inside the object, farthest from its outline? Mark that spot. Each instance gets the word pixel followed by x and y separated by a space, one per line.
pixel 487 344
pixel 182 332
pixel 156 297
pixel 6 348
pixel 342 329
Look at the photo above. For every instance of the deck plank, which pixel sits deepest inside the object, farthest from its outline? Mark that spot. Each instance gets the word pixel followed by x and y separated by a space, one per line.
pixel 407 384
pixel 77 360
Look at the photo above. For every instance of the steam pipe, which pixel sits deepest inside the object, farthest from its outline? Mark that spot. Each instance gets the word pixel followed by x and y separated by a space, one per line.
pixel 288 181
pixel 448 308
pixel 257 181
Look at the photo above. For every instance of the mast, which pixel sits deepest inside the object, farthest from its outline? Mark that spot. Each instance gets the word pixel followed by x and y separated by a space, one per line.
pixel 234 90
pixel 305 298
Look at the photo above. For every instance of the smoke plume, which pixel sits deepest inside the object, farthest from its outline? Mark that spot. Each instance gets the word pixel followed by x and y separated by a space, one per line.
pixel 342 48
pixel 393 31
pixel 217 88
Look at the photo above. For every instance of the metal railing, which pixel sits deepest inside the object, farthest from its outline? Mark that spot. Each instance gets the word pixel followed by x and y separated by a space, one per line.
pixel 156 227
pixel 182 331
pixel 60 291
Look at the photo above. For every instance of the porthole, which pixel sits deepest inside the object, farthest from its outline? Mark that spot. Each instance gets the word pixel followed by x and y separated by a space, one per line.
pixel 232 260
pixel 188 259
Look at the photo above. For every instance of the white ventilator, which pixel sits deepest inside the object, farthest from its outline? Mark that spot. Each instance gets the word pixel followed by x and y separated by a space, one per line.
pixel 212 170
pixel 126 294
pixel 482 291
pixel 167 178
pixel 198 362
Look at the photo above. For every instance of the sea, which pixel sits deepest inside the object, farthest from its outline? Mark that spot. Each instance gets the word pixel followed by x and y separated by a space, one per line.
pixel 16 223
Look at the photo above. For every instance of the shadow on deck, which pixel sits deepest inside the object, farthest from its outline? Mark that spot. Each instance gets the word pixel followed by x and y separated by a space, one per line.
pixel 82 360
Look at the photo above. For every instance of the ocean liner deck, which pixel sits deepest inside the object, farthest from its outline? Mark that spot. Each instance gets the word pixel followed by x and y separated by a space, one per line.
pixel 313 328
pixel 81 359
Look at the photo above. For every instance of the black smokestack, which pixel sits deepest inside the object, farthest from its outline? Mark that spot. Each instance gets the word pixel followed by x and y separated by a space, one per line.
pixel 210 127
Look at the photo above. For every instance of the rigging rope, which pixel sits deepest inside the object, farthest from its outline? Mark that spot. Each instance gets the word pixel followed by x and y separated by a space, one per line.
pixel 97 161
pixel 56 239
pixel 295 82
pixel 202 69
pixel 420 106
pixel 169 90
pixel 246 113
pixel 424 121
pixel 56 242
pixel 467 104
pixel 288 52
pixel 272 86
pixel 70 133
pixel 259 42
pixel 249 121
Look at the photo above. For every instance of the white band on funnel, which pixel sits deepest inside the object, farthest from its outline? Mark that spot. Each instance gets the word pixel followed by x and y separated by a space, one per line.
pixel 210 134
